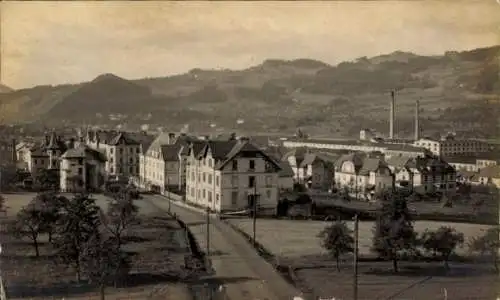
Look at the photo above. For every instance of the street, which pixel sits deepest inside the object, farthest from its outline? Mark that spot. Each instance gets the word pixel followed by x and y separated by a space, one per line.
pixel 238 267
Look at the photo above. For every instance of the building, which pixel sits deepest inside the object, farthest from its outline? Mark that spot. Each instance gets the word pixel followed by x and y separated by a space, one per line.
pixel 423 174
pixel 8 151
pixel 449 146
pixel 122 150
pixel 362 175
pixel 388 148
pixel 490 175
pixel 463 163
pixel 46 155
pixel 231 176
pixel 317 170
pixel 82 169
pixel 286 175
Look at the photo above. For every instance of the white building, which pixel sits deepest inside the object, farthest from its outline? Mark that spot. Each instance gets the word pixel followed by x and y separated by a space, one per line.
pixel 453 147
pixel 362 175
pixel 82 169
pixel 230 176
pixel 122 150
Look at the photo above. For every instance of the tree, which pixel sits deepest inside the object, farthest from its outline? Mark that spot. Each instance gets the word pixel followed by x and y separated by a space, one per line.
pixel 121 213
pixel 394 233
pixel 337 240
pixel 50 204
pixel 443 241
pixel 30 222
pixel 102 261
pixel 79 221
pixel 488 244
pixel 48 179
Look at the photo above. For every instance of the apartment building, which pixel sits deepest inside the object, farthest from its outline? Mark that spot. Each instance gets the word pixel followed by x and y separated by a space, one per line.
pixel 362 175
pixel 122 150
pixel 46 155
pixel 231 176
pixel 82 169
pixel 450 146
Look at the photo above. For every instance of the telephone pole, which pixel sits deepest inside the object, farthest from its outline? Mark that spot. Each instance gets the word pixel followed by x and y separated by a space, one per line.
pixel 254 221
pixel 208 231
pixel 355 262
pixel 168 194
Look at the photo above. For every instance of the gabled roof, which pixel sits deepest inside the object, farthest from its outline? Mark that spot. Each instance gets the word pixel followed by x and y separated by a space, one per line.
pixel 161 139
pixel 286 169
pixel 122 136
pixel 196 147
pixel 490 172
pixel 170 152
pixel 355 157
pixel 82 152
pixel 371 165
pixel 219 149
pixel 399 162
pixel 242 147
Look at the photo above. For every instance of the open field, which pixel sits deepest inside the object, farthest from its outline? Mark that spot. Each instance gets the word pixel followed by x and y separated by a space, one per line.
pixel 294 243
pixel 296 238
pixel 158 244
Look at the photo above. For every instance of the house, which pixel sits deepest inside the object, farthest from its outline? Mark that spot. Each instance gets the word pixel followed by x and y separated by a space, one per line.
pixel 423 174
pixel 82 169
pixel 46 155
pixel 362 175
pixel 285 177
pixel 8 151
pixel 318 170
pixel 122 150
pixel 231 176
pixel 463 163
pixel 23 154
pixel 490 175
pixel 294 159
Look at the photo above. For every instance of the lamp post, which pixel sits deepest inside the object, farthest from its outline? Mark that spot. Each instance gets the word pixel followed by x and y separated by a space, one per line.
pixel 355 262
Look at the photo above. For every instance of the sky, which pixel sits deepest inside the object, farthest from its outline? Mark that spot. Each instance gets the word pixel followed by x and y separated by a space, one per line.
pixel 69 42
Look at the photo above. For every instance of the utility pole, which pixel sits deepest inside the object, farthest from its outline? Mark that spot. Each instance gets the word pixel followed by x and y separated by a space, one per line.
pixel 254 223
pixel 208 231
pixel 168 194
pixel 355 262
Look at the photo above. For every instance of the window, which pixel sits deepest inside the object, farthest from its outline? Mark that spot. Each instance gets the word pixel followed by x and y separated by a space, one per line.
pixel 235 165
pixel 80 171
pixel 251 181
pixel 209 197
pixel 36 161
pixel 121 150
pixel 251 165
pixel 217 198
pixel 131 160
pixel 217 180
pixel 111 170
pixel 269 181
pixel 234 198
pixel 131 170
pixel 234 181
pixel 111 160
pixel 204 193
pixel 80 161
pixel 210 162
pixel 204 177
pixel 137 169
pixel 210 178
pixel 111 150
pixel 268 194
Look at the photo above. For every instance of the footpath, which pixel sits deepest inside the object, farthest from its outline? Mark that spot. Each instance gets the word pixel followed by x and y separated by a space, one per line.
pixel 243 274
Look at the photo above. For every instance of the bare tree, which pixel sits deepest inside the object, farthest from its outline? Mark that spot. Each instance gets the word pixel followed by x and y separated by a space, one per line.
pixel 121 214
pixel 30 223
pixel 102 261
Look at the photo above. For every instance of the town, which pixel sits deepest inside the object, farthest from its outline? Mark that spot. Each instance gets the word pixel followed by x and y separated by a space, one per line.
pixel 234 177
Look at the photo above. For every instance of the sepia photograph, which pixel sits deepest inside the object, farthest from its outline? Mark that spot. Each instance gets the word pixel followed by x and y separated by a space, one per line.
pixel 250 150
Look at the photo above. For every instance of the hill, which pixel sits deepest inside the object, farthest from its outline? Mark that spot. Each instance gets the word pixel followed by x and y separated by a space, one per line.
pixel 282 95
pixel 5 89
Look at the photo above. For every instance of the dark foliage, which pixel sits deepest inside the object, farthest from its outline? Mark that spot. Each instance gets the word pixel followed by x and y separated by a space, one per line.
pixel 443 241
pixel 337 240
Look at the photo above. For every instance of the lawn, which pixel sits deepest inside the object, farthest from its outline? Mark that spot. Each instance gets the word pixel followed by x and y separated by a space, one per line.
pixel 296 238
pixel 158 245
pixel 294 242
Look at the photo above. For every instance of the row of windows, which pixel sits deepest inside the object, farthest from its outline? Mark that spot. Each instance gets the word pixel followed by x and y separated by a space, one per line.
pixel 120 169
pixel 131 150
pixel 235 195
pixel 207 178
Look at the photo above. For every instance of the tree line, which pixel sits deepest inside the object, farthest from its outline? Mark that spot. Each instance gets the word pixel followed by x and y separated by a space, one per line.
pixel 395 238
pixel 83 236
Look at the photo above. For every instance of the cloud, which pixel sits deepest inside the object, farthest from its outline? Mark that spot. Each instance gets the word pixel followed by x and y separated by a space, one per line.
pixel 55 42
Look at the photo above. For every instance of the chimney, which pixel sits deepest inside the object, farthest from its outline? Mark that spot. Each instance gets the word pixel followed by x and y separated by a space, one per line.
pixel 14 154
pixel 171 137
pixel 417 120
pixel 391 120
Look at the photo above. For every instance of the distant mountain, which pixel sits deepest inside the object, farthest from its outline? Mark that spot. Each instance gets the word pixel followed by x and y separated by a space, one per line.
pixel 5 89
pixel 280 95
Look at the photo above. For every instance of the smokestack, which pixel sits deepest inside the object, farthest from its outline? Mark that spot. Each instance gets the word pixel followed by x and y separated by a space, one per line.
pixel 391 120
pixel 417 120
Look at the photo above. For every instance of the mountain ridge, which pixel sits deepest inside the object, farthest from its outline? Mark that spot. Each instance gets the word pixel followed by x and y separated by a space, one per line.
pixel 276 94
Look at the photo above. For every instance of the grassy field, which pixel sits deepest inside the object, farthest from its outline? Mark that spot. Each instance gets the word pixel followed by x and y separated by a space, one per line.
pixel 158 243
pixel 294 243
pixel 296 238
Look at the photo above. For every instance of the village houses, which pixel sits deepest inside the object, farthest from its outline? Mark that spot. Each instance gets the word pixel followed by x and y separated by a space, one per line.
pixel 82 168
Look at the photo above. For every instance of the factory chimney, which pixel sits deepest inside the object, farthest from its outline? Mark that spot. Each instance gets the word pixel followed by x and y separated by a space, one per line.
pixel 417 120
pixel 391 120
